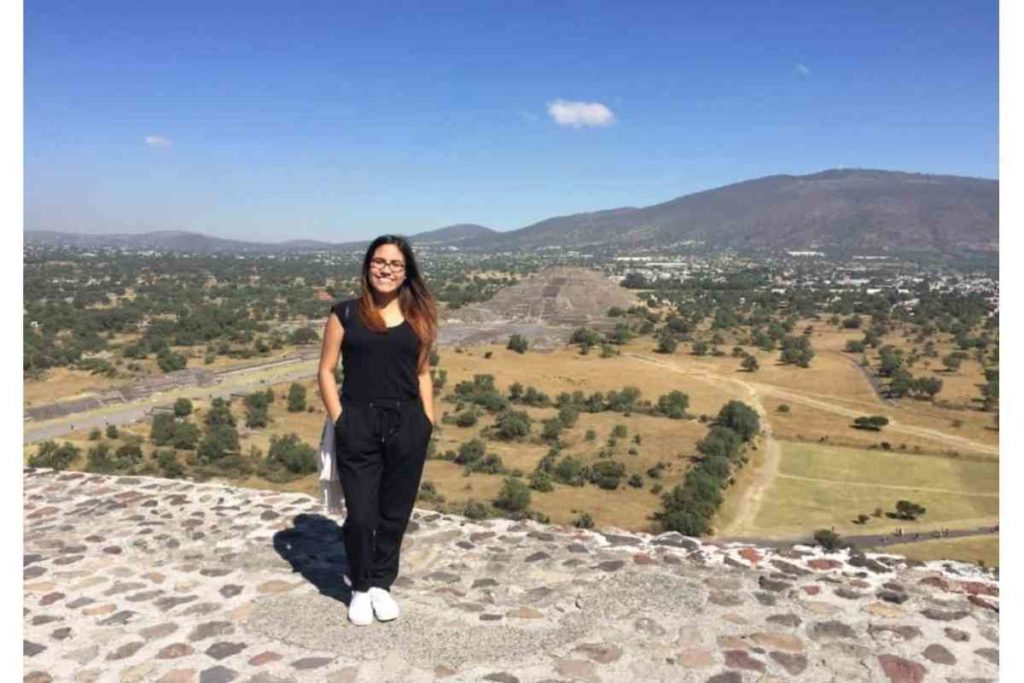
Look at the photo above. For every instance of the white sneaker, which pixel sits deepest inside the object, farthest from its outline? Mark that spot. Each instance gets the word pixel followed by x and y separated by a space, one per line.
pixel 360 612
pixel 384 606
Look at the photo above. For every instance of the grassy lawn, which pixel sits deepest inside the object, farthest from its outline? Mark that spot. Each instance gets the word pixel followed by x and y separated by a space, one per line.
pixel 821 486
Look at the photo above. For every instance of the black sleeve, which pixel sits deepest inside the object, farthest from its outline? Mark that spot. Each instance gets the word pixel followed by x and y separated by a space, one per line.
pixel 338 309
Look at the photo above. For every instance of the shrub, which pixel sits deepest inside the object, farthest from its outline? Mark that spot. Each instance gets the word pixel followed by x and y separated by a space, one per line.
pixel 583 521
pixel 512 425
pixel 906 509
pixel 294 455
pixel 571 471
pixel 518 343
pixel 568 415
pixel 827 539
pixel 182 407
pixel 673 405
pixel 428 492
pixel 474 509
pixel 513 496
pixel 296 398
pixel 541 481
pixel 95 434
pixel 607 474
pixel 783 408
pixel 636 481
pixel 167 460
pixel 49 454
pixel 112 432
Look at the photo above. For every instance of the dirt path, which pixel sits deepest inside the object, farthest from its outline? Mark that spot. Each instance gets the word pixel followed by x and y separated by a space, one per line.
pixel 752 497
pixel 806 398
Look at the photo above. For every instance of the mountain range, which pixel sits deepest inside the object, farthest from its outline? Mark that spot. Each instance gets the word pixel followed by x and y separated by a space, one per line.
pixel 851 209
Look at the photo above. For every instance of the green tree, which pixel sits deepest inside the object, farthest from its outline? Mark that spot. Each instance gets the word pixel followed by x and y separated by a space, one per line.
pixel 182 407
pixel 256 410
pixel 740 418
pixel 296 398
pixel 750 364
pixel 512 425
pixel 162 428
pixel 514 495
pixel 49 454
pixel 219 413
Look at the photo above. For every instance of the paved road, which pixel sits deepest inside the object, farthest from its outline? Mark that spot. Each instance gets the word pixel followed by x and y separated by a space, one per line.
pixel 865 540
pixel 231 382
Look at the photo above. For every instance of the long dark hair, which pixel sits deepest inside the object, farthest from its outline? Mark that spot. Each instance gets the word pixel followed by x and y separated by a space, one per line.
pixel 417 304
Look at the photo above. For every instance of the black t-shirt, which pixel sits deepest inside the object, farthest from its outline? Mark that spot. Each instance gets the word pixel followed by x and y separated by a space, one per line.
pixel 377 364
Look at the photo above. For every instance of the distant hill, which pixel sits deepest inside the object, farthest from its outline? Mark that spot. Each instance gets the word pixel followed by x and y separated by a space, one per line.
pixel 854 209
pixel 455 234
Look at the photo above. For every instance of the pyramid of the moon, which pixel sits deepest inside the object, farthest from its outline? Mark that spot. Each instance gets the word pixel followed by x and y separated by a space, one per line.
pixel 556 295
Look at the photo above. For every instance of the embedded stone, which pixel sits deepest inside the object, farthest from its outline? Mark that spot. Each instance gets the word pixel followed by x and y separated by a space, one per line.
pixel 900 670
pixel 611 565
pixel 175 650
pixel 957 635
pixel 218 674
pixel 307 663
pixel 501 677
pixel 989 653
pixel 944 615
pixel 62 633
pixel 537 556
pixel 727 677
pixel 30 649
pixel 894 597
pixel 696 658
pixel 938 654
pixel 179 676
pixel 211 629
pixel 772 585
pixel 484 583
pixel 828 630
pixel 785 620
pixel 906 632
pixel 126 650
pixel 118 619
pixel 740 659
pixel 230 590
pixel 725 599
pixel 600 653
pixel 823 564
pixel 778 641
pixel 525 613
pixel 37 677
pixel 264 658
pixel 222 650
pixel 794 664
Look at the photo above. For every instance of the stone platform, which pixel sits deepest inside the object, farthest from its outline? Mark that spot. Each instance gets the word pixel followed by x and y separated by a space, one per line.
pixel 145 579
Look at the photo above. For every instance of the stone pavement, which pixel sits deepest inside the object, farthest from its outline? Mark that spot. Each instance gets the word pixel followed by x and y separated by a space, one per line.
pixel 146 579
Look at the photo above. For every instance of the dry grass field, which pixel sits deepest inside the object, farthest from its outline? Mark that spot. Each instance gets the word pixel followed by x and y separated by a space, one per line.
pixel 811 470
pixel 979 550
pixel 820 486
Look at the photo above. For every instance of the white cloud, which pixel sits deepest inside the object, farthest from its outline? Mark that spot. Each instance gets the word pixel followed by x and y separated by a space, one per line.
pixel 157 141
pixel 801 70
pixel 580 114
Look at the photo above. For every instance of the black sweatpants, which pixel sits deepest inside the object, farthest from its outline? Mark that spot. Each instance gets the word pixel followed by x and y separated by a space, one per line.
pixel 381 446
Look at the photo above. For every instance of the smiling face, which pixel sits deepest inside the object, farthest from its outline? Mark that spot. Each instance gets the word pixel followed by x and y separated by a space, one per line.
pixel 387 279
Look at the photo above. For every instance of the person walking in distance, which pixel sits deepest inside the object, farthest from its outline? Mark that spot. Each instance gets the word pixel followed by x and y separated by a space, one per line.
pixel 383 416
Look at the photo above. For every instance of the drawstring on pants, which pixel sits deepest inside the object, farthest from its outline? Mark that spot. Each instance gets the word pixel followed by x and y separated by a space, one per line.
pixel 387 419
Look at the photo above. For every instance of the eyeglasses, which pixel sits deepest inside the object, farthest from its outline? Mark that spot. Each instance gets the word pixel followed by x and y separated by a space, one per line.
pixel 395 266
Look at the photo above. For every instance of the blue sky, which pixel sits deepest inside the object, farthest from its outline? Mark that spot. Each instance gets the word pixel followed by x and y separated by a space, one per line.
pixel 335 121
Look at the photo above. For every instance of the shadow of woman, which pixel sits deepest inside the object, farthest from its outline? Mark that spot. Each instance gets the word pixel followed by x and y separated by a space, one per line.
pixel 315 548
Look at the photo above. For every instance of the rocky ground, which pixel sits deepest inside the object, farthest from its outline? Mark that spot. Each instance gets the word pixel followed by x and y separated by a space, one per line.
pixel 144 579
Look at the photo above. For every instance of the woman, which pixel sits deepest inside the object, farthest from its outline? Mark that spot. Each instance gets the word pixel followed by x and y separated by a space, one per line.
pixel 383 417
